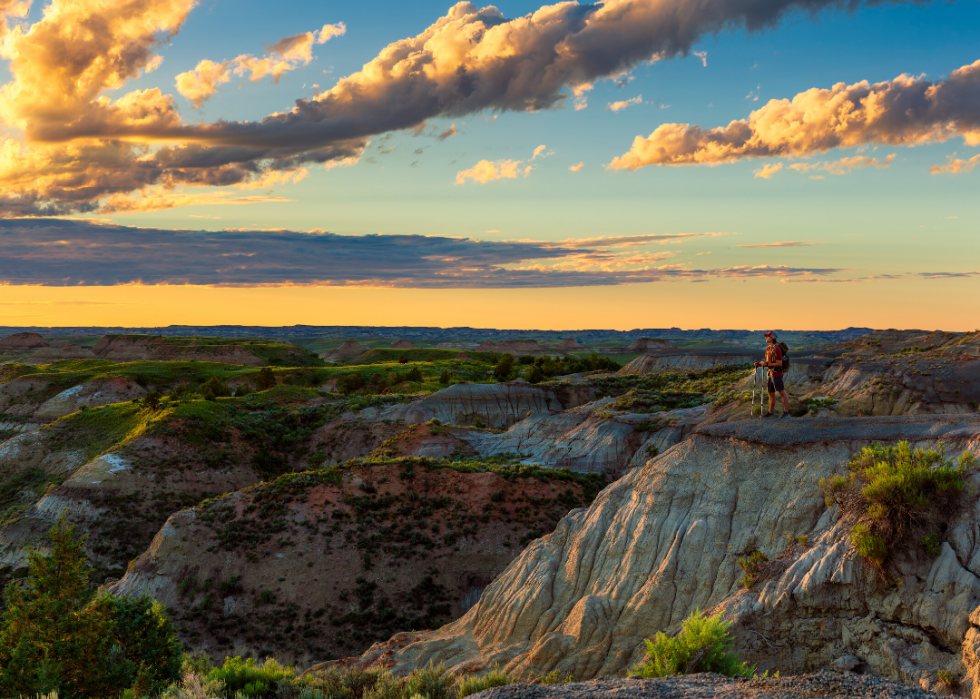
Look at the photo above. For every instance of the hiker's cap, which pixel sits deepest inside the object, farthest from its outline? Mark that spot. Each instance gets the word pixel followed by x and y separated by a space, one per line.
pixel 771 334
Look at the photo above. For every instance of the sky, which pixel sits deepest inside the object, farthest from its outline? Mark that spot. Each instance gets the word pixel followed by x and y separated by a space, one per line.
pixel 623 164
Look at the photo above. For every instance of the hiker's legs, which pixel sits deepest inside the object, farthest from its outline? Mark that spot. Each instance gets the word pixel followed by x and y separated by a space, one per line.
pixel 785 402
pixel 772 401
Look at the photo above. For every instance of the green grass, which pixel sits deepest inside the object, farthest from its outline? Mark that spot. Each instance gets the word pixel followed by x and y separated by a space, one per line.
pixel 97 430
pixel 654 392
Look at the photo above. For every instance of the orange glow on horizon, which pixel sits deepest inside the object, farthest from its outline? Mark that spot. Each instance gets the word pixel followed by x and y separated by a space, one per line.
pixel 722 303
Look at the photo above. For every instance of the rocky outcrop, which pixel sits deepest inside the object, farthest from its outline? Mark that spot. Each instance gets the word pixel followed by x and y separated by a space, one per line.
pixel 643 344
pixel 22 341
pixel 59 350
pixel 497 405
pixel 684 361
pixel 346 352
pixel 92 394
pixel 403 345
pixel 586 439
pixel 570 344
pixel 665 539
pixel 314 565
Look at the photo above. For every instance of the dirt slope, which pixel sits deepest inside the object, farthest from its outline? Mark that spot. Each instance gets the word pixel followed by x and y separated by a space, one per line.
pixel 320 565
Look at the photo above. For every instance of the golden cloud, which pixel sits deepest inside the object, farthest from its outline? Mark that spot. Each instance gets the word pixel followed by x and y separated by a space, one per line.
pixel 906 111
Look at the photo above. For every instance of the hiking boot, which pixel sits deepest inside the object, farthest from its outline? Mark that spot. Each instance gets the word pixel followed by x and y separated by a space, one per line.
pixel 784 415
pixel 769 415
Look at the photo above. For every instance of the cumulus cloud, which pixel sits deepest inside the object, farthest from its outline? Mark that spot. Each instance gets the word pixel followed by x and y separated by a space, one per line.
pixel 59 252
pixel 623 104
pixel 577 168
pixel 490 170
pixel 88 145
pixel 202 83
pixel 906 111
pixel 768 170
pixel 955 166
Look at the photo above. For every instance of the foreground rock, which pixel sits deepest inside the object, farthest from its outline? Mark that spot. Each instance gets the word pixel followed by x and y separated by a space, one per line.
pixel 320 565
pixel 710 686
pixel 665 540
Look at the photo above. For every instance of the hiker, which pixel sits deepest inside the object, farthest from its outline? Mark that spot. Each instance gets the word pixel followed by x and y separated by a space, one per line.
pixel 775 363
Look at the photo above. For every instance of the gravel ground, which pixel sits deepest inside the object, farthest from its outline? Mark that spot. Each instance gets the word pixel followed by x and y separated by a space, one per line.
pixel 711 686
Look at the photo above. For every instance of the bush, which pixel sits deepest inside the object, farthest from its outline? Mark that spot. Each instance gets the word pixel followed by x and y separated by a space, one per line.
pixel 250 679
pixel 703 645
pixel 752 565
pixel 899 494
pixel 265 380
pixel 534 375
pixel 214 388
pixel 432 682
pixel 243 390
pixel 474 683
pixel 152 400
pixel 57 637
pixel 445 377
pixel 526 360
pixel 504 371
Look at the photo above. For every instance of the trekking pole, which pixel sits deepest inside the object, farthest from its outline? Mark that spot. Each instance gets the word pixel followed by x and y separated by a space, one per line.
pixel 755 385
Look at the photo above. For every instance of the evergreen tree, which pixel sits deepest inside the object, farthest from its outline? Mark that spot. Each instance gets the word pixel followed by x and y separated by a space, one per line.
pixel 52 638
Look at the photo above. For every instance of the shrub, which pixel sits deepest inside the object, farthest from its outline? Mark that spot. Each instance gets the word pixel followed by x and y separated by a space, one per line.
pixel 472 684
pixel 243 390
pixel 445 377
pixel 898 494
pixel 432 682
pixel 266 379
pixel 555 677
pixel 703 645
pixel 504 370
pixel 949 679
pixel 250 679
pixel 534 375
pixel 214 388
pixel 526 360
pixel 152 400
pixel 752 565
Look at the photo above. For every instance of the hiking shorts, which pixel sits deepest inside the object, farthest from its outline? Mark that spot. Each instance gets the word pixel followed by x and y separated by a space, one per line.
pixel 776 384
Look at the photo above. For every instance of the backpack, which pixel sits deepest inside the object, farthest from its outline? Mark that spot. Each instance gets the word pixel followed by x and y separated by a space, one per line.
pixel 785 351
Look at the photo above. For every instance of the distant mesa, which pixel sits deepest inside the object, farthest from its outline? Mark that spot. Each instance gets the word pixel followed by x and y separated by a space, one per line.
pixel 513 347
pixel 402 344
pixel 347 351
pixel 570 344
pixel 644 344
pixel 462 355
pixel 21 341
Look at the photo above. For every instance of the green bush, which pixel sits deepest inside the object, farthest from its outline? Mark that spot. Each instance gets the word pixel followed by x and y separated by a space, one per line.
pixel 534 375
pixel 445 377
pixel 752 565
pixel 703 645
pixel 214 388
pixel 504 371
pixel 899 494
pixel 250 679
pixel 472 684
pixel 432 682
pixel 265 380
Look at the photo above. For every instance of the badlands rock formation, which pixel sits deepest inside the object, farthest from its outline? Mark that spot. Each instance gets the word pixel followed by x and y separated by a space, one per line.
pixel 402 344
pixel 133 348
pixel 664 540
pixel 22 341
pixel 570 344
pixel 102 391
pixel 680 361
pixel 347 351
pixel 497 405
pixel 313 566
pixel 648 343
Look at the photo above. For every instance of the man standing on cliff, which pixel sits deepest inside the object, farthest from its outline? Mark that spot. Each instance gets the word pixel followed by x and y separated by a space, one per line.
pixel 774 363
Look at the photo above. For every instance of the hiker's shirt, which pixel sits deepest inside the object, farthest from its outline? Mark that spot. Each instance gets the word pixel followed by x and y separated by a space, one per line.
pixel 774 355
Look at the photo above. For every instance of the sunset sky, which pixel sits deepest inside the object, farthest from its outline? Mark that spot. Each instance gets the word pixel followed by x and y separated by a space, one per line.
pixel 624 164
